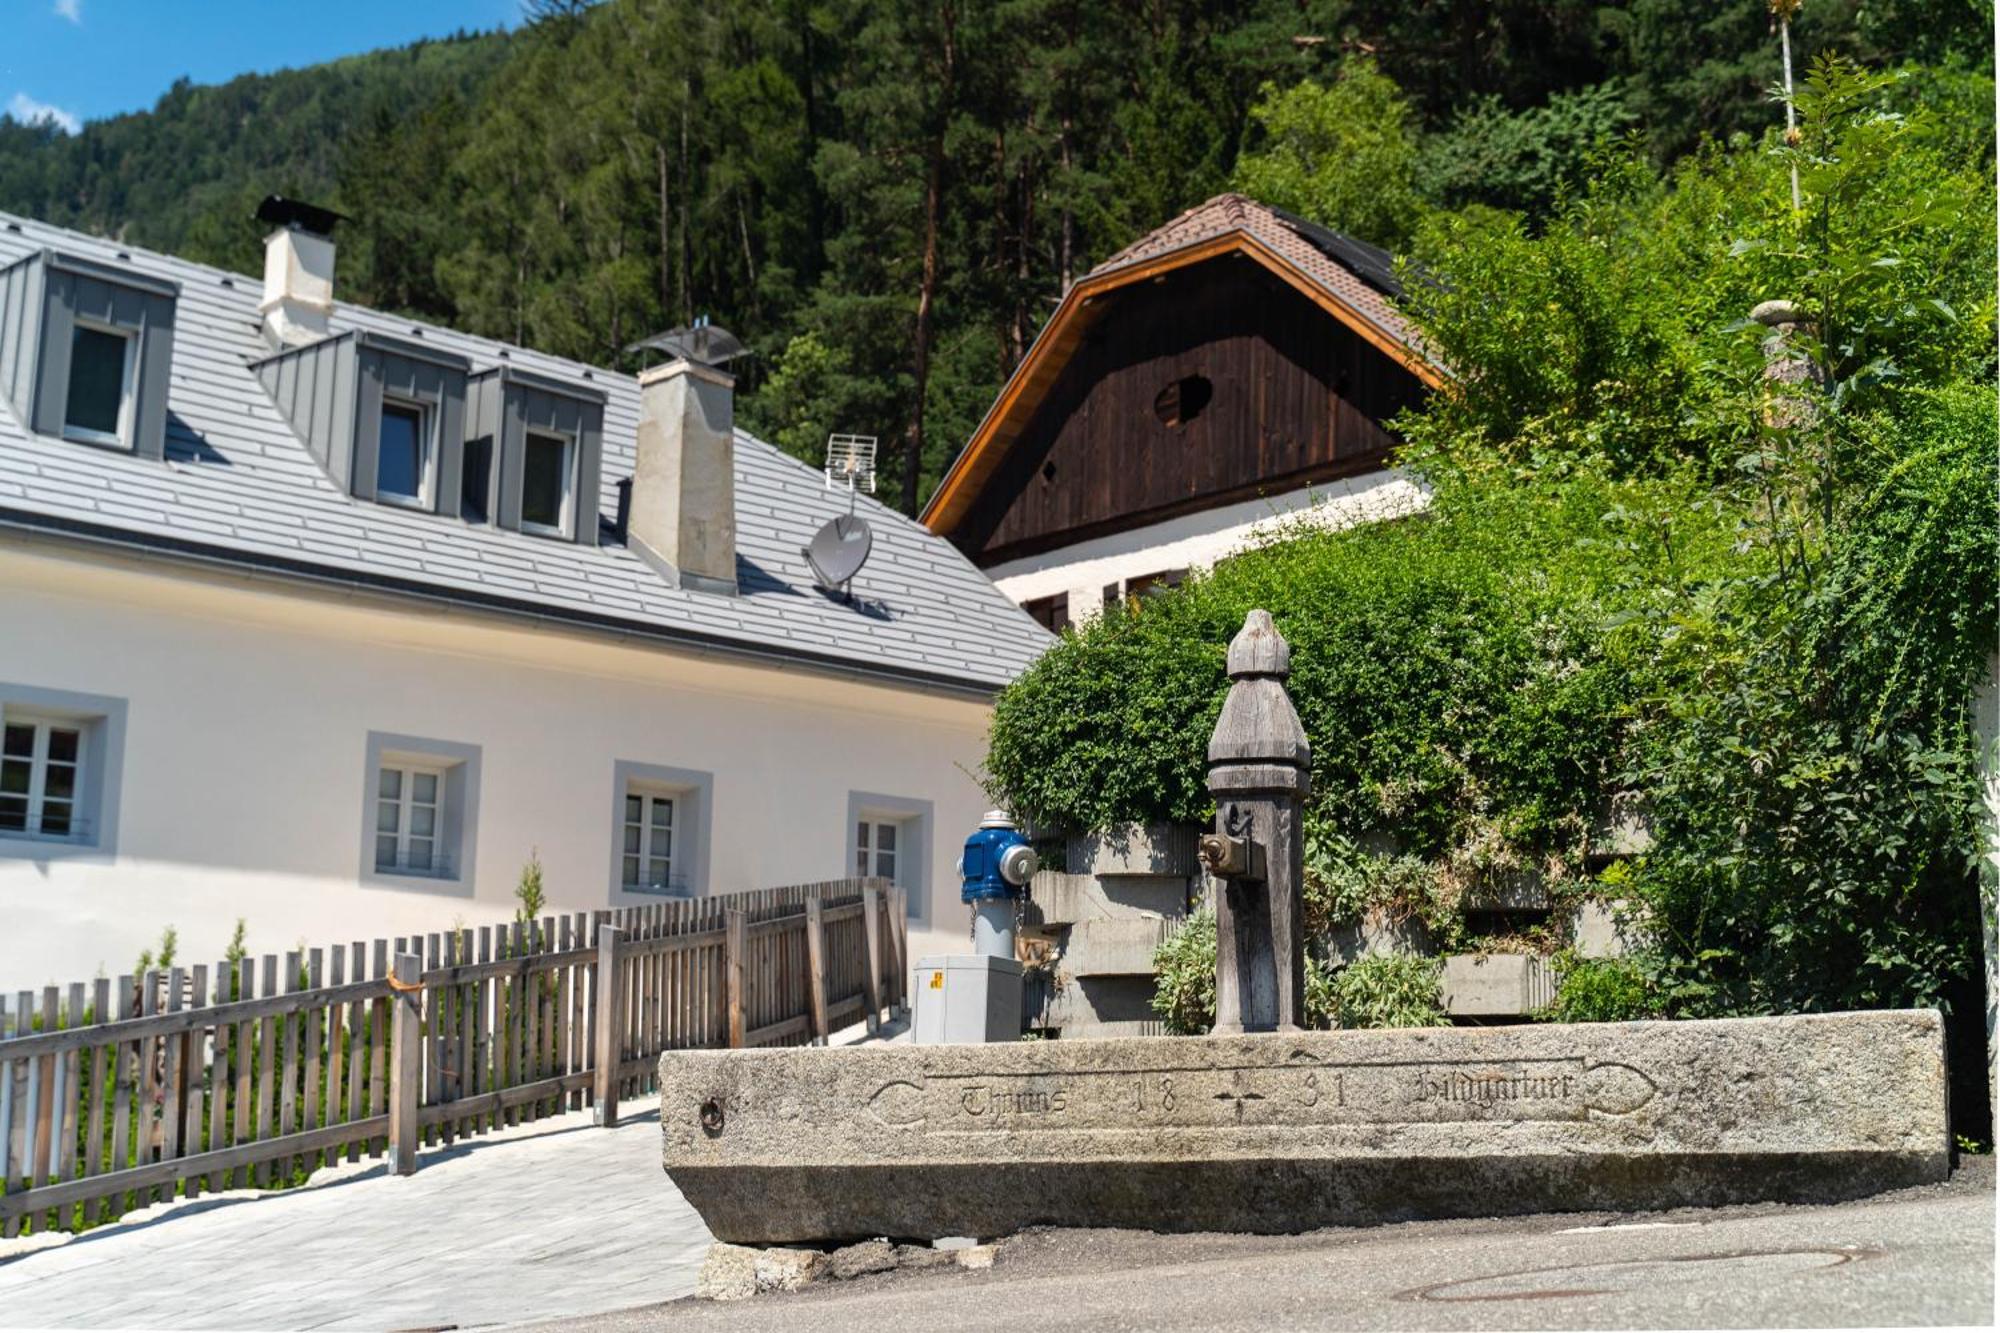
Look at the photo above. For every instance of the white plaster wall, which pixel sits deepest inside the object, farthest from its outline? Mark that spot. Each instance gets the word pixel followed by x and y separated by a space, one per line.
pixel 249 706
pixel 1197 541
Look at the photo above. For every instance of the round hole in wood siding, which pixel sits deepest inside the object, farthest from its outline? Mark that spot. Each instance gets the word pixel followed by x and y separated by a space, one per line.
pixel 1183 400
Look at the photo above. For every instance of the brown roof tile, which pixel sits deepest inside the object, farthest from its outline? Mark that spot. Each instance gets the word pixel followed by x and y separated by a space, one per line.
pixel 1228 213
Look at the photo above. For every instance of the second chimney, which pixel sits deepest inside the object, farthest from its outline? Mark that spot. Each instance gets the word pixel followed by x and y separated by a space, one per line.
pixel 683 517
pixel 298 271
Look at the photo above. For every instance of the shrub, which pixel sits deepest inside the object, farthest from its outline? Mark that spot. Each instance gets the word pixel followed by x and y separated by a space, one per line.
pixel 1389 991
pixel 1600 990
pixel 1184 986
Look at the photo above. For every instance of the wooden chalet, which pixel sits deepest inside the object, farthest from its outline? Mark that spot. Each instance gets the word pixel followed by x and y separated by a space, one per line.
pixel 1237 362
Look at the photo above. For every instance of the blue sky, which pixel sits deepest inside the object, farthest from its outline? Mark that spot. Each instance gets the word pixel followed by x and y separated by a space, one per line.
pixel 78 60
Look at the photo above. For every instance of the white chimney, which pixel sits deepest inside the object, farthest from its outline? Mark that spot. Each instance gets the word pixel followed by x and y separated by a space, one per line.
pixel 684 484
pixel 298 286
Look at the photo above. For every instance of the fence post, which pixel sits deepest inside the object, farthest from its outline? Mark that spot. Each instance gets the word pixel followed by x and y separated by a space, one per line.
pixel 871 924
pixel 610 1051
pixel 816 968
pixel 732 973
pixel 899 963
pixel 406 1072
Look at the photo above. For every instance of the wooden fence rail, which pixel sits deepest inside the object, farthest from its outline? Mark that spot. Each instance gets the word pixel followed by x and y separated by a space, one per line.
pixel 254 1073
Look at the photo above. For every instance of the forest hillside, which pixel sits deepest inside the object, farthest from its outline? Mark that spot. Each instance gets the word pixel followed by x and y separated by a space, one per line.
pixel 886 197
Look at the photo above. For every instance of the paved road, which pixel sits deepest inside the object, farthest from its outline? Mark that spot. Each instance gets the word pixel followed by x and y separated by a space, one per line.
pixel 1917 1257
pixel 525 1226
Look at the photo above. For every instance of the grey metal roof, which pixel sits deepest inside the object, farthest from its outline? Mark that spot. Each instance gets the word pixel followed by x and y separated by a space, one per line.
pixel 238 487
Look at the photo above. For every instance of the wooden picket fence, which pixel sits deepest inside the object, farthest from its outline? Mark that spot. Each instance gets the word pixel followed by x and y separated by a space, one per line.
pixel 117 1095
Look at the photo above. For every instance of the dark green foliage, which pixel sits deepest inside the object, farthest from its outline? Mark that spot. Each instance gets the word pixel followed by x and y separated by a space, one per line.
pixel 1523 160
pixel 1184 989
pixel 1389 991
pixel 1761 607
pixel 884 198
pixel 1463 710
pixel 1600 990
pixel 186 176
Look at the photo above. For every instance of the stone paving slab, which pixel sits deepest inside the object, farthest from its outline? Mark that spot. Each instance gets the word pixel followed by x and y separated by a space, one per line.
pixel 538 1223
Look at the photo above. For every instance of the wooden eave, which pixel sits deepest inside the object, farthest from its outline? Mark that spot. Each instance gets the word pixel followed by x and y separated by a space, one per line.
pixel 1079 311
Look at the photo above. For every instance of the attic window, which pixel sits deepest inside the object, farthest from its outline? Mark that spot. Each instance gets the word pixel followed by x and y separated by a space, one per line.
pixel 402 468
pixel 548 472
pixel 1183 400
pixel 98 409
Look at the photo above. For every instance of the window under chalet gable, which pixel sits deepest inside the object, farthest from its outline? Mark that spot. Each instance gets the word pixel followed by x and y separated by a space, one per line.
pixel 86 350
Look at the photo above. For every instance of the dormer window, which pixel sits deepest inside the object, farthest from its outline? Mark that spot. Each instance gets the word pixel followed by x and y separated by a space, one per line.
pixel 548 484
pixel 384 416
pixel 403 465
pixel 98 408
pixel 87 349
pixel 533 454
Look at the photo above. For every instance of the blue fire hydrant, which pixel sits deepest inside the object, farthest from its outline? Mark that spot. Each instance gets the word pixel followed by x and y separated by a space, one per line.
pixel 996 865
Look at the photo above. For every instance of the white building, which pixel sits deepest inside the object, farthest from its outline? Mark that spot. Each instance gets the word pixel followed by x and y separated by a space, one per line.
pixel 328 621
pixel 1226 375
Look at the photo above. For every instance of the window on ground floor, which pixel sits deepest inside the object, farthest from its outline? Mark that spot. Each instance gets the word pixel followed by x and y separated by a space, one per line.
pixel 890 837
pixel 60 754
pixel 660 830
pixel 422 808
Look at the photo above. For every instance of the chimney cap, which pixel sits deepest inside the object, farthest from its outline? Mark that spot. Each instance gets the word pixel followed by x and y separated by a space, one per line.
pixel 282 212
pixel 701 342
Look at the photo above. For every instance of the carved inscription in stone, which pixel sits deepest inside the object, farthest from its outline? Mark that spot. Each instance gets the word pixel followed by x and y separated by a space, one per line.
pixel 1304 1091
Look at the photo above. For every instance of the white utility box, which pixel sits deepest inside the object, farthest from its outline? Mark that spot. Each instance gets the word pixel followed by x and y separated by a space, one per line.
pixel 965 998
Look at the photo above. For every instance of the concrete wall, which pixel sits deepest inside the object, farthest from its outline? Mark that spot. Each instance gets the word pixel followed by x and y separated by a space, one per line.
pixel 1197 541
pixel 249 707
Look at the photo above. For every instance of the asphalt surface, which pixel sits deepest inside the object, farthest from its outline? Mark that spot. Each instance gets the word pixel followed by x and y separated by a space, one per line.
pixel 1923 1256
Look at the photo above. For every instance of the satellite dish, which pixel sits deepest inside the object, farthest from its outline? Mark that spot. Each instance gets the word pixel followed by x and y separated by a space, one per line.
pixel 839 549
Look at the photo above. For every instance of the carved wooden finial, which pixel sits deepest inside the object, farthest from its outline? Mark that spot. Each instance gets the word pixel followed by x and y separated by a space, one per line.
pixel 1258 724
pixel 1258 649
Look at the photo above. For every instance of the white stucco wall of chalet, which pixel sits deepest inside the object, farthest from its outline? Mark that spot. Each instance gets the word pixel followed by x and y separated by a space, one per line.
pixel 1197 541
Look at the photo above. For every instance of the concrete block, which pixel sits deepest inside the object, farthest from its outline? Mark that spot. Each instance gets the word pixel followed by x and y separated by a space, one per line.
pixel 1624 828
pixel 1596 933
pixel 1056 898
pixel 1283 1132
pixel 1134 849
pixel 1496 985
pixel 1102 1007
pixel 1114 948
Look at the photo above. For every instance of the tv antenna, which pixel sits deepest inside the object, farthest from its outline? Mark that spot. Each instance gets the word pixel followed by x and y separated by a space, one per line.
pixel 842 545
pixel 850 462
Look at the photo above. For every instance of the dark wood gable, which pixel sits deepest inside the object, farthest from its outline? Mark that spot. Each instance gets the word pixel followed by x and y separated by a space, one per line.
pixel 1210 384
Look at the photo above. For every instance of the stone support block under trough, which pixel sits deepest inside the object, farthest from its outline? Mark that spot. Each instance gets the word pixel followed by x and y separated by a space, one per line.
pixel 1497 985
pixel 1284 1132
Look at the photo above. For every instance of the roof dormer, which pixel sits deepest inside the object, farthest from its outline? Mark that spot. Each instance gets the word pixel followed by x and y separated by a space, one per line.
pixel 86 350
pixel 385 417
pixel 533 454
